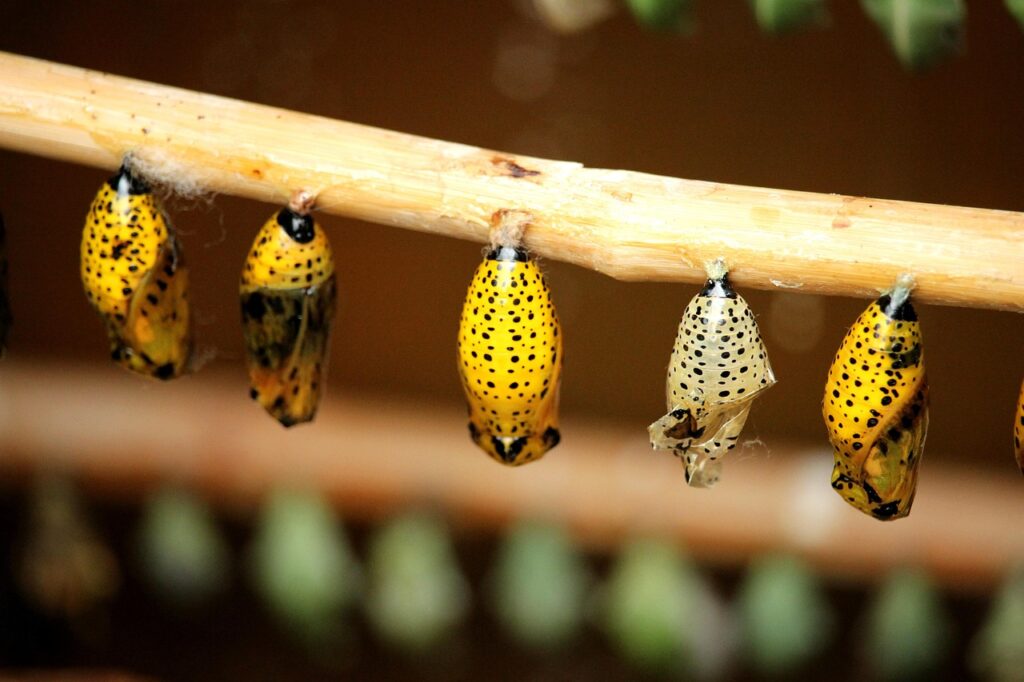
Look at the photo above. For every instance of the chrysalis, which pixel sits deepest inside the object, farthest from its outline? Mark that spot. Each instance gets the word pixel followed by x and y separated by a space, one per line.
pixel 718 366
pixel 5 306
pixel 510 358
pixel 288 297
pixel 134 276
pixel 1018 430
pixel 876 407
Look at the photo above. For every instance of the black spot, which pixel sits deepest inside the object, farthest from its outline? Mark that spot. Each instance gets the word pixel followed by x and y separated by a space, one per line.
pixel 508 253
pixel 718 288
pixel 124 183
pixel 886 511
pixel 253 307
pixel 514 448
pixel 297 226
pixel 164 372
pixel 905 312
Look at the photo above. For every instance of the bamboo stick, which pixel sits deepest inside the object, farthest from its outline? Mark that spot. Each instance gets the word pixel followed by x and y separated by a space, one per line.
pixel 373 457
pixel 631 226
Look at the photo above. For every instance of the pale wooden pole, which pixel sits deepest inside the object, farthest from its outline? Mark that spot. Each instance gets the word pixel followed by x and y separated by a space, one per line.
pixel 631 226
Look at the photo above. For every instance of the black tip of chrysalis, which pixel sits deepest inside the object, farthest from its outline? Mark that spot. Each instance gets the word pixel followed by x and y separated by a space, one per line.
pixel 124 182
pixel 718 288
pixel 903 312
pixel 508 253
pixel 298 226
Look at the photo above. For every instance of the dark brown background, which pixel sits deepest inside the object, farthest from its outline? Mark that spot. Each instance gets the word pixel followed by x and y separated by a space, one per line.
pixel 828 110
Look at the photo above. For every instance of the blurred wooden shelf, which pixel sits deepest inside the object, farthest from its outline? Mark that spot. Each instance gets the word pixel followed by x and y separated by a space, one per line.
pixel 122 436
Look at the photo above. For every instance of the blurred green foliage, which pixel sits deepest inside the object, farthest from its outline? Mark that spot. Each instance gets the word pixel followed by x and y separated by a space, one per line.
pixel 783 16
pixel 301 563
pixel 182 552
pixel 648 604
pixel 539 585
pixel 663 15
pixel 997 652
pixel 908 630
pixel 416 594
pixel 1016 8
pixel 784 617
pixel 921 32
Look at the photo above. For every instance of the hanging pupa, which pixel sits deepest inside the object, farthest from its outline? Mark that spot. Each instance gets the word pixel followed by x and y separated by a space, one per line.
pixel 135 277
pixel 5 306
pixel 1018 430
pixel 288 298
pixel 876 407
pixel 719 365
pixel 510 350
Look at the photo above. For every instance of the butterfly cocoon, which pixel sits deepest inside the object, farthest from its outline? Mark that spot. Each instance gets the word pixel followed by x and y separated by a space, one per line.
pixel 134 276
pixel 719 364
pixel 510 358
pixel 288 298
pixel 876 408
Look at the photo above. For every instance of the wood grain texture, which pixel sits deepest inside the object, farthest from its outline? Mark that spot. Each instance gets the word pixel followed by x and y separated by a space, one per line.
pixel 631 226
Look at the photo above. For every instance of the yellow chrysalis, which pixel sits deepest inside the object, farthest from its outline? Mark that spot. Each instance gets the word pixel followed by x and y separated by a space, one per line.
pixel 510 358
pixel 288 298
pixel 135 278
pixel 876 408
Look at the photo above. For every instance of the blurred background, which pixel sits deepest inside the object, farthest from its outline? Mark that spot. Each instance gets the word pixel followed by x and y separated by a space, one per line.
pixel 120 499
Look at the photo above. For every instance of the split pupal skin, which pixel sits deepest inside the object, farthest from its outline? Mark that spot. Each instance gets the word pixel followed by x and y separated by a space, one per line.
pixel 1018 430
pixel 510 358
pixel 876 410
pixel 135 277
pixel 5 306
pixel 719 364
pixel 288 295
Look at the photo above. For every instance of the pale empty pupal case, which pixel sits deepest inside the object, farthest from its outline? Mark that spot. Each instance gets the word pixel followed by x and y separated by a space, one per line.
pixel 719 365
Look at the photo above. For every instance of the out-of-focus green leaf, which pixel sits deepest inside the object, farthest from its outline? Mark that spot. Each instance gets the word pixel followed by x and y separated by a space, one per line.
pixel 302 564
pixel 782 16
pixel 1016 8
pixel 649 604
pixel 921 32
pixel 539 584
pixel 997 652
pixel 181 549
pixel 784 617
pixel 663 15
pixel 907 630
pixel 416 593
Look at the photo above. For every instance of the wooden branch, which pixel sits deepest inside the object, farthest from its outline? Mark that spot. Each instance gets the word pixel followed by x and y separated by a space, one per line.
pixel 123 437
pixel 632 226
